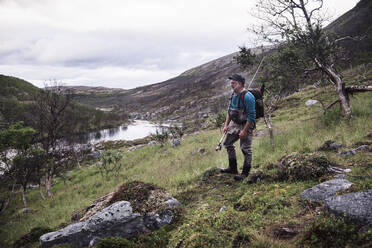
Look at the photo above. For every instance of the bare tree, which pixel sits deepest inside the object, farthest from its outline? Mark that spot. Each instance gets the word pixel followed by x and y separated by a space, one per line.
pixel 271 104
pixel 299 23
pixel 51 120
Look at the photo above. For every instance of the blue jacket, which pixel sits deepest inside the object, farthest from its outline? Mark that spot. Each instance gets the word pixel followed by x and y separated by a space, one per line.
pixel 249 104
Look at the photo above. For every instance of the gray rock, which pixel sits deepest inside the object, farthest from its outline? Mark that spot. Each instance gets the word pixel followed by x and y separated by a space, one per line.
pixel 356 206
pixel 362 148
pixel 133 148
pixel 27 210
pixel 310 102
pixel 223 208
pixel 335 146
pixel 326 189
pixel 151 143
pixel 347 153
pixel 116 220
pixel 353 151
pixel 173 202
pixel 175 142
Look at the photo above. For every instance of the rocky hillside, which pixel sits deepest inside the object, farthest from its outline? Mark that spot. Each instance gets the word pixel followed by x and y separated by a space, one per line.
pixel 197 93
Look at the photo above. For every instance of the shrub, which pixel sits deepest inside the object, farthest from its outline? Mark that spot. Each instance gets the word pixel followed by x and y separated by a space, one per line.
pixel 31 237
pixel 110 162
pixel 160 136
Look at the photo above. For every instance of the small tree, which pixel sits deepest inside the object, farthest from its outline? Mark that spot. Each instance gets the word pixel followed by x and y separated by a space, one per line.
pixel 110 162
pixel 298 24
pixel 176 131
pixel 160 136
pixel 25 166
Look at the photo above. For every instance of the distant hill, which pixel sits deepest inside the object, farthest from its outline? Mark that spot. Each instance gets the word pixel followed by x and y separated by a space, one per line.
pixel 16 88
pixel 17 98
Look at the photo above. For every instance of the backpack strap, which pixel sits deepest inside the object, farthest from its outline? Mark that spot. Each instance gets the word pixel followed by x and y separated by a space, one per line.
pixel 242 95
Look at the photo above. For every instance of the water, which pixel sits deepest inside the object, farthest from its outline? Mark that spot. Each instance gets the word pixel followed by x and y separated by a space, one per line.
pixel 137 130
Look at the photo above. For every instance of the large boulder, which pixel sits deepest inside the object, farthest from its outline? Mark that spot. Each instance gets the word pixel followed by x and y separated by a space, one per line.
pixel 326 189
pixel 135 208
pixel 356 206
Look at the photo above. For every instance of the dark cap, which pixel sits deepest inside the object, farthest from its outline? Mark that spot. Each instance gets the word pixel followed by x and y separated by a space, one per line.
pixel 238 78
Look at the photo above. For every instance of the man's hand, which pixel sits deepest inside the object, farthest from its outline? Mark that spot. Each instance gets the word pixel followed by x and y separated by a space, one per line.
pixel 225 129
pixel 242 134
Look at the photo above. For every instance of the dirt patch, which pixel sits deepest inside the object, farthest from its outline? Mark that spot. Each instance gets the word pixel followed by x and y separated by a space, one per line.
pixel 214 177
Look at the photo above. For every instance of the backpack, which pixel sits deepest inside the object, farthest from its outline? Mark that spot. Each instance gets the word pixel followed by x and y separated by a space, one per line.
pixel 258 95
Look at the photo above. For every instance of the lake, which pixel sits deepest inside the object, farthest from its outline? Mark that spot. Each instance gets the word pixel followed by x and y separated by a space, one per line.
pixel 136 130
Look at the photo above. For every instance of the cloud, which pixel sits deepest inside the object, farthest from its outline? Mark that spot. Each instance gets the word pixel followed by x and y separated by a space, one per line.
pixel 115 42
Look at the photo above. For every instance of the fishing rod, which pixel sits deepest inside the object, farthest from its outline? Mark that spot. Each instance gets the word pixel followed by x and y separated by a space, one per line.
pixel 255 73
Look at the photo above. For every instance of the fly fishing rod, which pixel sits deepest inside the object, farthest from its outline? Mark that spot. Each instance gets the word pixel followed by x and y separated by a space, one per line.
pixel 255 73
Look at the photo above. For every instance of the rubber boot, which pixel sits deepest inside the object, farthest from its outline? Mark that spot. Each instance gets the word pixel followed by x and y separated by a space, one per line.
pixel 232 169
pixel 245 173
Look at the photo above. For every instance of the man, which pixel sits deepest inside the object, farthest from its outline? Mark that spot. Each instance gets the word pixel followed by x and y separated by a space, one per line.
pixel 239 124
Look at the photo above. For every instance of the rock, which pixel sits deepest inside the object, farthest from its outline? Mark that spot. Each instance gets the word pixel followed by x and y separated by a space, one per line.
pixel 356 206
pixel 362 148
pixel 175 142
pixel 151 143
pixel 347 153
pixel 96 153
pixel 326 189
pixel 310 102
pixel 330 145
pixel 338 170
pixel 223 208
pixel 353 151
pixel 27 210
pixel 173 202
pixel 151 209
pixel 133 148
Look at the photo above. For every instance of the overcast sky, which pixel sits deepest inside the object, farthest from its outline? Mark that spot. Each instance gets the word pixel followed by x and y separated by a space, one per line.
pixel 121 43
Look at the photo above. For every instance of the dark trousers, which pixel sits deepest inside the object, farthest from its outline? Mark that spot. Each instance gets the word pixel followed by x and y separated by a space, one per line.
pixel 245 146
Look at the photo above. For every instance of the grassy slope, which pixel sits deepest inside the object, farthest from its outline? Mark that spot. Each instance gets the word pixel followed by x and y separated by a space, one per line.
pixel 255 213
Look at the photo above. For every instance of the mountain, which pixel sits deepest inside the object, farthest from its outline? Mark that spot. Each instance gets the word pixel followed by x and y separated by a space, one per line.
pixel 199 92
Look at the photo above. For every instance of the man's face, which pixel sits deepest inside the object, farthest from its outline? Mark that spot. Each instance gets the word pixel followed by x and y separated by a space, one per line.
pixel 235 85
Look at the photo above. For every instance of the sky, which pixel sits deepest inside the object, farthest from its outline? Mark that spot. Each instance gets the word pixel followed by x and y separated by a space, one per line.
pixel 122 43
